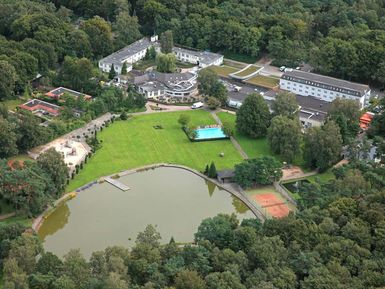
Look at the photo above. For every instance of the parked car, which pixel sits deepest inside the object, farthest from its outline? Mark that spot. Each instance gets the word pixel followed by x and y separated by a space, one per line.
pixel 197 105
pixel 282 68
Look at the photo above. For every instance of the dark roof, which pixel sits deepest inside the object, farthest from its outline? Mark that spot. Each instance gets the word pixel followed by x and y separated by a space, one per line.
pixel 325 82
pixel 313 103
pixel 225 174
pixel 312 108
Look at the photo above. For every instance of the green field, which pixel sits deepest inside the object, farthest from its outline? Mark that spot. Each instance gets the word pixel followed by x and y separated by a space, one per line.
pixel 135 143
pixel 13 103
pixel 264 81
pixel 251 69
pixel 223 70
pixel 252 147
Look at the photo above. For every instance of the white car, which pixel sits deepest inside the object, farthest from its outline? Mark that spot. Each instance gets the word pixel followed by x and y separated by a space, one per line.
pixel 197 105
pixel 282 68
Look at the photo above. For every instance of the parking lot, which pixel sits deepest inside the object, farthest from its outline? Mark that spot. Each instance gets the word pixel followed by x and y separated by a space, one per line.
pixel 238 91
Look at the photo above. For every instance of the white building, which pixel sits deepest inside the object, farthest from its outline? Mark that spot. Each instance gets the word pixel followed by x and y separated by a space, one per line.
pixel 169 87
pixel 201 58
pixel 323 87
pixel 129 54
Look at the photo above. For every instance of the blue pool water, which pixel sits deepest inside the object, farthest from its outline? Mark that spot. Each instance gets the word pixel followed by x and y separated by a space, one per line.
pixel 210 133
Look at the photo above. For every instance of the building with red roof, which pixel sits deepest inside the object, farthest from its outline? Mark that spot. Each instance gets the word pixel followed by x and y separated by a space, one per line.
pixel 366 119
pixel 37 106
pixel 58 92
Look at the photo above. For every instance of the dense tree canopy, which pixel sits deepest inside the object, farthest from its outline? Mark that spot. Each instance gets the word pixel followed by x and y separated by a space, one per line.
pixel 323 146
pixel 284 136
pixel 253 117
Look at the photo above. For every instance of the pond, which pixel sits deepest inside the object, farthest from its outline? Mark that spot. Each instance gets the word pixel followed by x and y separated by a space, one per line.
pixel 174 200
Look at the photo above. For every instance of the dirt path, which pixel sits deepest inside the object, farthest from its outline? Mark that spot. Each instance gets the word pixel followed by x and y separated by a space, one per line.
pixel 233 140
pixel 296 173
pixel 6 216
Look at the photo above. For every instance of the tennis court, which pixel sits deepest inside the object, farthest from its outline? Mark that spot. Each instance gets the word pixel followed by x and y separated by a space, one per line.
pixel 272 205
pixel 270 202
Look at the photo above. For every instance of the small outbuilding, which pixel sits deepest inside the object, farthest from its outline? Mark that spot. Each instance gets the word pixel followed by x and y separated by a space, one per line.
pixel 225 176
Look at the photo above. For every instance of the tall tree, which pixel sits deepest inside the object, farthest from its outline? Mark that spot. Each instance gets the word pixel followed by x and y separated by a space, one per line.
pixel 323 146
pixel 285 104
pixel 8 78
pixel 346 113
pixel 112 72
pixel 166 41
pixel 76 73
pixel 8 138
pixel 166 62
pixel 126 28
pixel 284 137
pixel 100 35
pixel 263 170
pixel 253 117
pixel 53 164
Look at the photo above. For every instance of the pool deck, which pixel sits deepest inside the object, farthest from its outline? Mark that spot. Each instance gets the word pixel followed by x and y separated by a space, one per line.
pixel 117 184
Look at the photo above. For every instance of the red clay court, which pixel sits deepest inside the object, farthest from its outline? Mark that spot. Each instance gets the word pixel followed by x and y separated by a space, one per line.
pixel 273 205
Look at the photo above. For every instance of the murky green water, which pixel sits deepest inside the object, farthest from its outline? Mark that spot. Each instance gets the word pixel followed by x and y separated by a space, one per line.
pixel 174 200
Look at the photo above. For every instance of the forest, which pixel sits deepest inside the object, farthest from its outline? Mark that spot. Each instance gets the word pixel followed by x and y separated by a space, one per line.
pixel 335 241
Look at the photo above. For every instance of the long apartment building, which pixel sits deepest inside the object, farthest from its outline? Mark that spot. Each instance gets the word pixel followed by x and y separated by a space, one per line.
pixel 129 54
pixel 137 51
pixel 201 58
pixel 323 87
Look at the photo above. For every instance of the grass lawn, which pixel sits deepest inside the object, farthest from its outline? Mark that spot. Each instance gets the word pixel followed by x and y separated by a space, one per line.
pixel 134 143
pixel 251 69
pixel 144 64
pixel 223 70
pixel 252 147
pixel 235 64
pixel 5 208
pixel 17 219
pixel 13 103
pixel 239 57
pixel 181 64
pixel 264 81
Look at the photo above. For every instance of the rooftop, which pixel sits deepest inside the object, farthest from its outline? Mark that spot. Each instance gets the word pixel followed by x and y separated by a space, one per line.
pixel 316 79
pixel 158 80
pixel 312 108
pixel 58 92
pixel 204 56
pixel 34 105
pixel 119 56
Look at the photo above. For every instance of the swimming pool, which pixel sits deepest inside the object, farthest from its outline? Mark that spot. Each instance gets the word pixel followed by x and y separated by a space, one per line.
pixel 210 133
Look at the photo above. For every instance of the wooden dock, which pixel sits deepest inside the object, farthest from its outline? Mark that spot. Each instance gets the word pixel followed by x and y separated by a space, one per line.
pixel 117 184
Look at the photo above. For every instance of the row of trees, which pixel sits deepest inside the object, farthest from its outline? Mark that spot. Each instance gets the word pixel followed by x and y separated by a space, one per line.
pixel 336 240
pixel 321 146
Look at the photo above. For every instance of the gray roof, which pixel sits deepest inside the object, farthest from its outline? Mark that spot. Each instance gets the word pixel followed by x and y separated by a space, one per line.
pixel 225 174
pixel 157 80
pixel 326 82
pixel 312 108
pixel 313 103
pixel 128 51
pixel 204 56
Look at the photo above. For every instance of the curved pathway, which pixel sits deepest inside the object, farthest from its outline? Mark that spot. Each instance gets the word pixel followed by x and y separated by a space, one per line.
pixel 233 140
